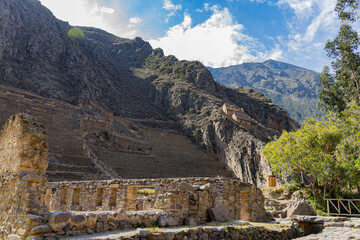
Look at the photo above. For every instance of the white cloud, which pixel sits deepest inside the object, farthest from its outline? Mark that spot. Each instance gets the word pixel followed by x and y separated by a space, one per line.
pixel 134 21
pixel 168 5
pixel 313 24
pixel 219 41
pixel 91 13
pixel 101 10
pixel 302 8
pixel 324 22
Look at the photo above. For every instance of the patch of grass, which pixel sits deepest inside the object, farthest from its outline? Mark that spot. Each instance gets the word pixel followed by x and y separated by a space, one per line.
pixel 146 191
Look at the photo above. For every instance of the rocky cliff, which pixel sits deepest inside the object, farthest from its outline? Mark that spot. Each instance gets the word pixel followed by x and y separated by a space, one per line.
pixel 116 80
pixel 291 87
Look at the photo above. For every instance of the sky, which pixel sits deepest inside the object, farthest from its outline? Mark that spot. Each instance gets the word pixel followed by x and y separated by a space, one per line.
pixel 217 33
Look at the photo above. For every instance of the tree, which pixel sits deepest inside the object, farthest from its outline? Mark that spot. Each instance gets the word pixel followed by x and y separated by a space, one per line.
pixel 327 151
pixel 336 92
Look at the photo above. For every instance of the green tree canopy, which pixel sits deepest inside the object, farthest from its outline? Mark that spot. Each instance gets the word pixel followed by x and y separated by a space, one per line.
pixel 76 33
pixel 328 151
pixel 338 90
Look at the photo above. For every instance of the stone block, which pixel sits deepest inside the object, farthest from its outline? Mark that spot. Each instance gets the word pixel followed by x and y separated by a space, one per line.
pixel 219 213
pixel 32 178
pixel 143 233
pixel 78 218
pixel 190 221
pixel 40 229
pixel 60 217
pixel 169 235
pixel 34 218
pixel 186 187
pixel 298 208
pixel 205 186
pixel 32 204
pixel 103 217
pixel 168 221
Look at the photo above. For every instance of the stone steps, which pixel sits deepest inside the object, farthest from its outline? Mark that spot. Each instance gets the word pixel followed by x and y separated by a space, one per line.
pixel 55 176
pixel 71 168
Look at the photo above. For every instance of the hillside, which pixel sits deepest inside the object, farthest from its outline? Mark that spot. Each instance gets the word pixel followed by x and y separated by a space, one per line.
pixel 289 86
pixel 131 111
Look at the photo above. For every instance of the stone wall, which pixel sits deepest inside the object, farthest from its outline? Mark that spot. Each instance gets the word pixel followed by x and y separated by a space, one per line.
pixel 32 208
pixel 23 162
pixel 178 196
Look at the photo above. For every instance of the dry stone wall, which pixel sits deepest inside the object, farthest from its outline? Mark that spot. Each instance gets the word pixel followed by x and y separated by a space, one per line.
pixel 23 162
pixel 182 197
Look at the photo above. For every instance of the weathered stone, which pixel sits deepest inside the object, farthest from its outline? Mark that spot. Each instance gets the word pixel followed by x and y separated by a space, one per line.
pixel 33 178
pixel 60 217
pixel 40 229
pixel 67 227
pixel 297 195
pixel 219 213
pixel 186 187
pixel 35 238
pixel 205 186
pixel 168 221
pixel 32 204
pixel 205 236
pixel 78 218
pixel 169 235
pixel 13 237
pixel 34 218
pixel 298 208
pixel 103 217
pixel 190 221
pixel 142 232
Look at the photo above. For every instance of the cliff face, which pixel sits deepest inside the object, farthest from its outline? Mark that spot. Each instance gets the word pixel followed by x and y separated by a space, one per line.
pixel 133 81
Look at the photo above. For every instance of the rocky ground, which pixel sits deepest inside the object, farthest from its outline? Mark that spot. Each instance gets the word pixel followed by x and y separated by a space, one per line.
pixel 228 230
pixel 335 228
pixel 343 230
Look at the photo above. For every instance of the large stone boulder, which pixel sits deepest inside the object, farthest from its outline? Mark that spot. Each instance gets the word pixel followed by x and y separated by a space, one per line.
pixel 219 214
pixel 298 208
pixel 168 221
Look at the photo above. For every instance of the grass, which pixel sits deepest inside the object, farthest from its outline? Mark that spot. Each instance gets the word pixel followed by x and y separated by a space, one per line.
pixel 147 191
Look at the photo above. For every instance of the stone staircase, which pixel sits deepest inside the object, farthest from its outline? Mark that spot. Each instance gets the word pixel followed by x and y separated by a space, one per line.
pixel 169 154
pixel 276 200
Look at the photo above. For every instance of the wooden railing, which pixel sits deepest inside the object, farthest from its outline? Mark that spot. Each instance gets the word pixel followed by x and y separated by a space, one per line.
pixel 343 207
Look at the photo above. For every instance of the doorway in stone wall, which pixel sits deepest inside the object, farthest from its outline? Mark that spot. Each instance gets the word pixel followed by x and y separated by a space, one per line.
pixel 244 206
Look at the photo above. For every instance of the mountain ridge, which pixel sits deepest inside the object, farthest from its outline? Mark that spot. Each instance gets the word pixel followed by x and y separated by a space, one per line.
pixel 293 88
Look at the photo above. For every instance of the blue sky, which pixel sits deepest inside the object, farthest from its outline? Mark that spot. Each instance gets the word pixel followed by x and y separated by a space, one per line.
pixel 217 33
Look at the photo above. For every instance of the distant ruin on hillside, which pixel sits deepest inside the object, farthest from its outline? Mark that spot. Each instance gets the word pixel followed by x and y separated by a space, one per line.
pixel 237 114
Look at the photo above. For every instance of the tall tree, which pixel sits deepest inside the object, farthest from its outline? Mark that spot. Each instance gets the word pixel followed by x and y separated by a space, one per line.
pixel 336 92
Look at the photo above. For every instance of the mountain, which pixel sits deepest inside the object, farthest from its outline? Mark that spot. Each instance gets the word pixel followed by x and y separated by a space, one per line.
pixel 115 107
pixel 291 87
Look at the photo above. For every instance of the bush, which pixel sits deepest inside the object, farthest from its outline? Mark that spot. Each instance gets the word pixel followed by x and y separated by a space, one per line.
pixel 76 33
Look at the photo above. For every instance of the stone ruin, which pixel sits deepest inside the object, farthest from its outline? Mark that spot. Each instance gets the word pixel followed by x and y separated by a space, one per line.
pixel 33 208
